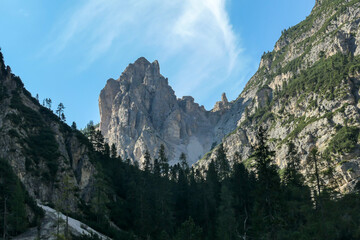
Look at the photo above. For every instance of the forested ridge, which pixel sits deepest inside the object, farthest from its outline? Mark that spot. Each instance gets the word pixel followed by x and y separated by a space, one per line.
pixel 228 195
pixel 224 202
pixel 159 201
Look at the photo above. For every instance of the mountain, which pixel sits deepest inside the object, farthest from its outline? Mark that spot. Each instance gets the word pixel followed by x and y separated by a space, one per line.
pixel 306 91
pixel 54 180
pixel 40 148
pixel 42 160
pixel 140 111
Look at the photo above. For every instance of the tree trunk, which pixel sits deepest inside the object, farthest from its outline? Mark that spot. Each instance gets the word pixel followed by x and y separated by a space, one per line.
pixel 4 234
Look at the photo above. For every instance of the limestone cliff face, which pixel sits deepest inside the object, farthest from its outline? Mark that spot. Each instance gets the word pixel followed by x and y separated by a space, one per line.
pixel 42 150
pixel 140 111
pixel 307 91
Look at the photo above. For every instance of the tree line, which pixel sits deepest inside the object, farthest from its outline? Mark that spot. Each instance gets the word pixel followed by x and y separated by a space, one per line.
pixel 159 201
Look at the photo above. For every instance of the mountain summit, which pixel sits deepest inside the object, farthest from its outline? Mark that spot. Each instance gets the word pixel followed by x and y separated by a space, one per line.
pixel 305 93
pixel 139 112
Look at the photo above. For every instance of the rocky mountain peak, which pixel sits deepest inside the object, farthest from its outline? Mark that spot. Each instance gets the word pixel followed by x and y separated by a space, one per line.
pixel 143 72
pixel 140 111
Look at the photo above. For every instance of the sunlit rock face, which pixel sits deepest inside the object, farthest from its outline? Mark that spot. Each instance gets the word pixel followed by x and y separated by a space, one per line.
pixel 42 150
pixel 140 111
pixel 305 91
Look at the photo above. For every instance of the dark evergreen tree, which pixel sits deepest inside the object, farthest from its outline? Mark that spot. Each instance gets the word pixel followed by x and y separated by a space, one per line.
pixel 156 170
pixel 113 152
pixel 314 174
pixel 183 162
pixel 211 194
pixel 241 185
pixel 73 126
pixel 60 110
pixel 267 203
pixel 222 162
pixel 62 117
pixel 163 161
pixel 226 227
pixel 189 231
pixel 147 166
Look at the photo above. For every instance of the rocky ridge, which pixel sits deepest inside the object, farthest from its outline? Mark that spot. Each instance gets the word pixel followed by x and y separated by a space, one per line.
pixel 306 91
pixel 140 111
pixel 42 150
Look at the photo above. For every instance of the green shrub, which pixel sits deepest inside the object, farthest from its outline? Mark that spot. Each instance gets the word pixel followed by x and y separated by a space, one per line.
pixel 344 141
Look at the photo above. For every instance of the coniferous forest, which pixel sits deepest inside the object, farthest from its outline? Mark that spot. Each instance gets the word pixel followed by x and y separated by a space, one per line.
pixel 158 201
pixel 223 202
pixel 245 200
pixel 287 166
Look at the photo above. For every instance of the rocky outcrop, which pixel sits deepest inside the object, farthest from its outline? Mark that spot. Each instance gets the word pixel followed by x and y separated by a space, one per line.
pixel 306 91
pixel 140 111
pixel 42 150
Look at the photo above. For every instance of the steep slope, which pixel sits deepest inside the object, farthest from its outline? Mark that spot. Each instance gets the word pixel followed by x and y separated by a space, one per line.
pixel 140 111
pixel 43 152
pixel 306 91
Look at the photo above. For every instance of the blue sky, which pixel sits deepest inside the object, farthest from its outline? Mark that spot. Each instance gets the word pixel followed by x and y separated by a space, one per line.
pixel 66 50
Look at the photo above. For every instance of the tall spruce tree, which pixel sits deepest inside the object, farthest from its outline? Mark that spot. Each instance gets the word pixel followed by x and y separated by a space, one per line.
pixel 222 162
pixel 163 161
pixel 267 203
pixel 113 152
pixel 147 166
pixel 226 227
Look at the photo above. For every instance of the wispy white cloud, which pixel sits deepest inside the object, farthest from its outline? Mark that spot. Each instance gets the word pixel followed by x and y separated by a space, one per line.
pixel 197 34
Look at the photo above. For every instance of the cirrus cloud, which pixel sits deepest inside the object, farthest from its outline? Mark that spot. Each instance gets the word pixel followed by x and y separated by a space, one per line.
pixel 196 34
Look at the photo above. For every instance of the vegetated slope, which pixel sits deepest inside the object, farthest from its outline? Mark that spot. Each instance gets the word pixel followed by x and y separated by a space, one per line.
pixel 41 149
pixel 43 159
pixel 306 91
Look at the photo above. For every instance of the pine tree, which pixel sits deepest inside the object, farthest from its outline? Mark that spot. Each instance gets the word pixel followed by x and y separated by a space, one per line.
pixel 73 126
pixel 268 187
pixel 163 161
pixel 147 162
pixel 183 162
pixel 222 162
pixel 315 178
pixel 62 117
pixel 291 173
pixel 100 198
pixel 60 110
pixel 189 231
pixel 106 151
pixel 226 222
pixel 98 141
pixel 17 205
pixel 48 103
pixel 113 152
pixel 241 185
pixel 212 193
pixel 156 170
